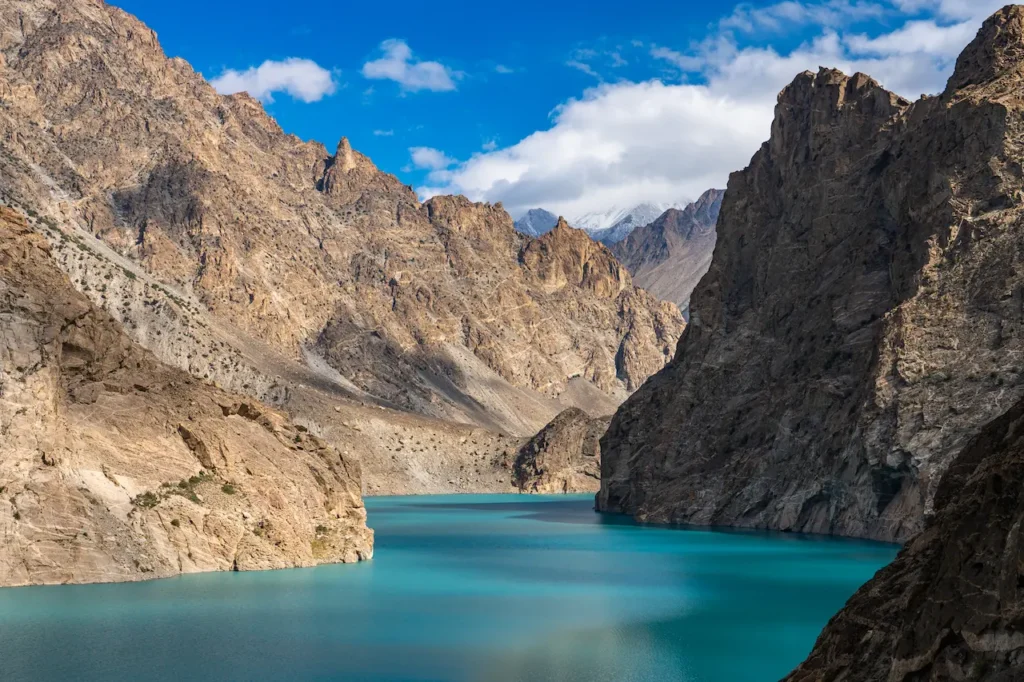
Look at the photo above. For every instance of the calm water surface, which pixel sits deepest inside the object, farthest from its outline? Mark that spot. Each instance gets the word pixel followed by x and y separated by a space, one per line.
pixel 462 588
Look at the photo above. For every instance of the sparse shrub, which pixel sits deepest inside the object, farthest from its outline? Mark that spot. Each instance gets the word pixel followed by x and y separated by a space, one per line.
pixel 228 489
pixel 147 500
pixel 175 522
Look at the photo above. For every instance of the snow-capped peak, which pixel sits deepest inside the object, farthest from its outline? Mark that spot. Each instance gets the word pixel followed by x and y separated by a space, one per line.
pixel 536 222
pixel 614 224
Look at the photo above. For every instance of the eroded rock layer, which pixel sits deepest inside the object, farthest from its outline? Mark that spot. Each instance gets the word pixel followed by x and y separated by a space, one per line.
pixel 862 317
pixel 114 466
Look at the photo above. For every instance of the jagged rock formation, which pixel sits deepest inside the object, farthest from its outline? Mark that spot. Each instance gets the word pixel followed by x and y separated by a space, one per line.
pixel 536 222
pixel 565 261
pixel 114 466
pixel 257 245
pixel 861 320
pixel 669 256
pixel 950 606
pixel 565 457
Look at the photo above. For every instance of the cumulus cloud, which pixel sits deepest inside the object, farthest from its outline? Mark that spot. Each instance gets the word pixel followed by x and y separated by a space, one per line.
pixel 627 142
pixel 302 79
pixel 398 65
pixel 430 158
pixel 384 133
pixel 616 145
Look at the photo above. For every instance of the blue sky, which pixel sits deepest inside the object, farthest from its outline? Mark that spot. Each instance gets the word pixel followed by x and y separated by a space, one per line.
pixel 568 105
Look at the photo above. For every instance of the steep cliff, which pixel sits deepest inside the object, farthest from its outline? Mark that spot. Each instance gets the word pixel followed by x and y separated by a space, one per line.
pixel 262 240
pixel 668 256
pixel 564 457
pixel 114 466
pixel 950 606
pixel 861 319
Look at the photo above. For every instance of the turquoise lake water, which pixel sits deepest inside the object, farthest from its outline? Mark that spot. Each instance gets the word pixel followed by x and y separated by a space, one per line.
pixel 462 588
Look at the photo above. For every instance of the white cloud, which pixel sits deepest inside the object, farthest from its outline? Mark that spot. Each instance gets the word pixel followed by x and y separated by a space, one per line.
pixel 584 67
pixel 430 158
pixel 490 145
pixel 917 37
pixel 780 16
pixel 627 142
pixel 398 65
pixel 617 144
pixel 952 9
pixel 302 79
pixel 501 68
pixel 384 133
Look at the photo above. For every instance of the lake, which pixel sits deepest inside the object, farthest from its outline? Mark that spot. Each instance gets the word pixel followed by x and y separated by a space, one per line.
pixel 462 588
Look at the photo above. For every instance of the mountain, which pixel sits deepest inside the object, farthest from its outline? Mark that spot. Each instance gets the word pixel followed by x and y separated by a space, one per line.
pixel 949 606
pixel 421 339
pixel 536 222
pixel 614 224
pixel 861 320
pixel 118 467
pixel 668 256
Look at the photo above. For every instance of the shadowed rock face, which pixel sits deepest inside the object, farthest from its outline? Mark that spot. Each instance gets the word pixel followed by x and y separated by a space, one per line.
pixel 291 245
pixel 951 606
pixel 114 466
pixel 565 457
pixel 861 319
pixel 669 256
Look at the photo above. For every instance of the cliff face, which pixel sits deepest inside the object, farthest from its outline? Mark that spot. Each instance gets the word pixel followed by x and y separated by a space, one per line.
pixel 321 257
pixel 669 256
pixel 950 606
pixel 564 457
pixel 114 466
pixel 861 319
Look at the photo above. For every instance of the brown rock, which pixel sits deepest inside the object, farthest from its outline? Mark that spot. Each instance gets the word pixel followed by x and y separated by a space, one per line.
pixel 861 319
pixel 91 487
pixel 565 457
pixel 950 606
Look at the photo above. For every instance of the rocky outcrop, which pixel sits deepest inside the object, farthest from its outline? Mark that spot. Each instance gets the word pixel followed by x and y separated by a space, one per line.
pixel 669 256
pixel 862 317
pixel 565 457
pixel 950 606
pixel 114 466
pixel 268 246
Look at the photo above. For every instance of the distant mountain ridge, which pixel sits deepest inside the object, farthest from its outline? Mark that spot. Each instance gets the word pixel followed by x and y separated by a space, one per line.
pixel 609 226
pixel 615 224
pixel 536 222
pixel 669 255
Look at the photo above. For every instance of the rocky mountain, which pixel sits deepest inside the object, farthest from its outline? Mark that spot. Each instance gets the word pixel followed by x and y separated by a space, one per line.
pixel 536 222
pixel 614 224
pixel 564 457
pixel 668 257
pixel 949 606
pixel 862 317
pixel 114 466
pixel 277 268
